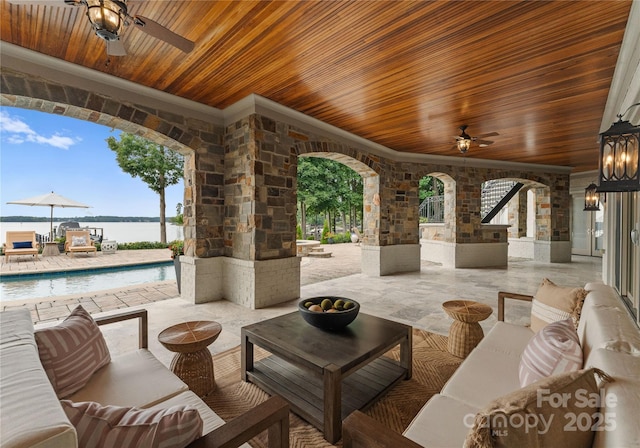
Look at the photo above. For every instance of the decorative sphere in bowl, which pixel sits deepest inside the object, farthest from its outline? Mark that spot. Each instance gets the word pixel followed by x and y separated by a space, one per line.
pixel 317 312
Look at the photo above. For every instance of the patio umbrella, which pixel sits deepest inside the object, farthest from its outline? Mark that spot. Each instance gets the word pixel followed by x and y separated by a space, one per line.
pixel 50 200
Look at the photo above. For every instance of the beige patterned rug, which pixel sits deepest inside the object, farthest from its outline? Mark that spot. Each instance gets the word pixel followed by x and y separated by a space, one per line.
pixel 432 367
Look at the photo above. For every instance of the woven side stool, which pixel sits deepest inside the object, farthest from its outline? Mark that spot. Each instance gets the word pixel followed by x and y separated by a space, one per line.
pixel 465 331
pixel 192 362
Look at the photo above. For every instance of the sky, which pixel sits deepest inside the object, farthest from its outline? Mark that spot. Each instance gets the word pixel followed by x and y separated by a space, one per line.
pixel 41 152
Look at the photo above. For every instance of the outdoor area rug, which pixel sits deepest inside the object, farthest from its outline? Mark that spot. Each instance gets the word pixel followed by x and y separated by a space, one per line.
pixel 432 367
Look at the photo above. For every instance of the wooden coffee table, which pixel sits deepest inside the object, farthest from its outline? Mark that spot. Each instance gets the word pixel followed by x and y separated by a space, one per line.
pixel 192 363
pixel 323 375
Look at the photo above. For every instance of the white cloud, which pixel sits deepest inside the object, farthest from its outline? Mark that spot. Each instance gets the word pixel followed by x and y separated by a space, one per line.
pixel 20 132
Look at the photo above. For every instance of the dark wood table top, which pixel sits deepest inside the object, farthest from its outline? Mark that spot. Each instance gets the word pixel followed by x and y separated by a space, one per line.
pixel 188 337
pixel 291 337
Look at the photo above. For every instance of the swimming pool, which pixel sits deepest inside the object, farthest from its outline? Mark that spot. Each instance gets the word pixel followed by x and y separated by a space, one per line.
pixel 31 286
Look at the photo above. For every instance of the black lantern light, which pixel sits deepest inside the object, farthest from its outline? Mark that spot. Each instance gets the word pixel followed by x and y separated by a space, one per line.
pixel 619 158
pixel 591 199
pixel 107 17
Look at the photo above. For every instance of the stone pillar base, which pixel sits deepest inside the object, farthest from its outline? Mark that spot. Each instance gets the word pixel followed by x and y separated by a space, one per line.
pixel 482 255
pixel 253 284
pixel 438 252
pixel 386 260
pixel 552 251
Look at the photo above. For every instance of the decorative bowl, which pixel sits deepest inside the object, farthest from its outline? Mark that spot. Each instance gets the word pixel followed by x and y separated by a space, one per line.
pixel 328 321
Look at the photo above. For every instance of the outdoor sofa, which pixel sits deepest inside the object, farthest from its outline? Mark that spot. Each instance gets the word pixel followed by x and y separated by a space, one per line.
pixel 609 340
pixel 33 414
pixel 20 242
pixel 79 241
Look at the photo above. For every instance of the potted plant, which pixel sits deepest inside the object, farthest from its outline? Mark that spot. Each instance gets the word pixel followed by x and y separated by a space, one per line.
pixel 177 249
pixel 61 240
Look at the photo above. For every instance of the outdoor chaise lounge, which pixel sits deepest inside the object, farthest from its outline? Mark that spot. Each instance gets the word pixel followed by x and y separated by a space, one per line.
pixel 79 241
pixel 20 242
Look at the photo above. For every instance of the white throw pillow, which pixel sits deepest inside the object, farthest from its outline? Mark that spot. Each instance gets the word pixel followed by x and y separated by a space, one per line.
pixel 78 241
pixel 552 350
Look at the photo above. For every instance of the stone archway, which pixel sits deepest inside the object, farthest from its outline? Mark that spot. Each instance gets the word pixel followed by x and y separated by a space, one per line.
pixel 371 185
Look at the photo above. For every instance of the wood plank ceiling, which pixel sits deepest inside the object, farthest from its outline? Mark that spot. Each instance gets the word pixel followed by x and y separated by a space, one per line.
pixel 404 74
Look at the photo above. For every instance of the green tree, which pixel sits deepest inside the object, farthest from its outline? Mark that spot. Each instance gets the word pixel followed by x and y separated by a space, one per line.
pixel 157 166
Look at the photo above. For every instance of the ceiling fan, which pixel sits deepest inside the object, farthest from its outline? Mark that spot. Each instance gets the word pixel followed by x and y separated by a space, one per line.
pixel 109 17
pixel 464 140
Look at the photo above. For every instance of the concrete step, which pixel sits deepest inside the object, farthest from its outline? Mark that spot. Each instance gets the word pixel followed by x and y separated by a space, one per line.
pixel 317 254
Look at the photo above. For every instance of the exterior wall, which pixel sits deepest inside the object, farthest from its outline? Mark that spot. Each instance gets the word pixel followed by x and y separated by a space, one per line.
pixel 240 193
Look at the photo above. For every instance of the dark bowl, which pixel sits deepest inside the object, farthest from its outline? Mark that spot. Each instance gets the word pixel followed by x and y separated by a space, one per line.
pixel 328 321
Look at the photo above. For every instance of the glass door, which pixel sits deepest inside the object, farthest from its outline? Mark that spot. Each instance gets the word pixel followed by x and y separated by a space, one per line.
pixel 587 230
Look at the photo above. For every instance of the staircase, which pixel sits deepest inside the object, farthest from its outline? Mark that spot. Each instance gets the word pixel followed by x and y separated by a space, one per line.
pixel 495 195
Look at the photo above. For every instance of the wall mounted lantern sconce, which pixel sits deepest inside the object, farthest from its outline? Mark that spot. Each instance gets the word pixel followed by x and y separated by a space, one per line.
pixel 591 199
pixel 619 159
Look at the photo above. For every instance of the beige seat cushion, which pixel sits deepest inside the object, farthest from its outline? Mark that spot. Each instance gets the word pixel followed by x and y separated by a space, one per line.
pixel 132 379
pixel 483 376
pixel 474 382
pixel 443 422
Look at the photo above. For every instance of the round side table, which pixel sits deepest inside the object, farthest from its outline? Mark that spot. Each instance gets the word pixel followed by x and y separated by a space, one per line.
pixel 465 331
pixel 192 362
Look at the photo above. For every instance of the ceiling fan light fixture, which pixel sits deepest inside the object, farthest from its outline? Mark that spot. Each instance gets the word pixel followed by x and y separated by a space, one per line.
pixel 464 144
pixel 107 17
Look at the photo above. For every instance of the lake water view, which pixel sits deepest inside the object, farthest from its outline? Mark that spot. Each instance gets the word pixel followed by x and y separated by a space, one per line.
pixel 122 232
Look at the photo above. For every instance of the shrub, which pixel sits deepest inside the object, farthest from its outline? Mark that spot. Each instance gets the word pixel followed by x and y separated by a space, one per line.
pixel 142 245
pixel 325 232
pixel 298 232
pixel 177 248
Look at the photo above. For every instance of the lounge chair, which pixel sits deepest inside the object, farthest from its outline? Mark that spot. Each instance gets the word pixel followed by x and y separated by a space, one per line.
pixel 79 241
pixel 20 242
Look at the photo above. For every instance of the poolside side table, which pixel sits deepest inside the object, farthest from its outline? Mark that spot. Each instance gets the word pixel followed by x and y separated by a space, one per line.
pixel 50 249
pixel 465 332
pixel 192 362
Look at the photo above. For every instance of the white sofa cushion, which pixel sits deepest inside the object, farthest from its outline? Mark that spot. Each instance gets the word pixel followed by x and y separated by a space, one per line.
pixel 132 379
pixel 442 422
pixel 507 339
pixel 623 408
pixel 30 413
pixel 606 324
pixel 16 328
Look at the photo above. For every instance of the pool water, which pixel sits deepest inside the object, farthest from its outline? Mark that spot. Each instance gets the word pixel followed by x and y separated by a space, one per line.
pixel 46 285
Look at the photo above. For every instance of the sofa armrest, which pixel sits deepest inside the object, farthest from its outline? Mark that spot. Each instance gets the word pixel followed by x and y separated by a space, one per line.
pixel 509 295
pixel 361 431
pixel 143 324
pixel 271 415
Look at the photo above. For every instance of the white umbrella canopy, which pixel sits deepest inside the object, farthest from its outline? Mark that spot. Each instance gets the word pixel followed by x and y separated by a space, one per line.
pixel 50 200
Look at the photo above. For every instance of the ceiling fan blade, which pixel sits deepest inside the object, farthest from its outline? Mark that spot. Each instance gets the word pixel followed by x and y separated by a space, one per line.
pixel 483 143
pixel 115 48
pixel 490 134
pixel 158 31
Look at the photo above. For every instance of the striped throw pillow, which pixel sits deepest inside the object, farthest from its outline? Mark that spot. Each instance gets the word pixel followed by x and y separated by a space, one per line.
pixel 553 303
pixel 72 351
pixel 554 349
pixel 100 426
